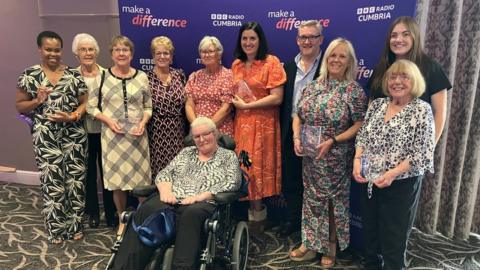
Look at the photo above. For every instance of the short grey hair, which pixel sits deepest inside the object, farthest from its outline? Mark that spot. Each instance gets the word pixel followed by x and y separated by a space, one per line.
pixel 84 38
pixel 203 121
pixel 312 23
pixel 210 40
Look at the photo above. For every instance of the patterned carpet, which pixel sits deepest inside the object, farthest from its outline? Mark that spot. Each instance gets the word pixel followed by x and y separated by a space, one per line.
pixel 23 243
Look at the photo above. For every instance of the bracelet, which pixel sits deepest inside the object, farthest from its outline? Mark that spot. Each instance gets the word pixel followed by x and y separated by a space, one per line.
pixel 76 115
pixel 296 138
pixel 334 140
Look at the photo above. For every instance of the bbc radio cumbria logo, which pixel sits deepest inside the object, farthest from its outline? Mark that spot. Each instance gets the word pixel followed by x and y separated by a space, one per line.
pixel 224 19
pixel 145 19
pixel 375 13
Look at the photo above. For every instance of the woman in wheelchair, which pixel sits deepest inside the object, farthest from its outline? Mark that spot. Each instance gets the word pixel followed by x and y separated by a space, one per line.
pixel 187 185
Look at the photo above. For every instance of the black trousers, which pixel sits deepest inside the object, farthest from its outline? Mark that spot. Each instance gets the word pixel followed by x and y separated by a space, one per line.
pixel 387 220
pixel 91 193
pixel 133 254
pixel 292 183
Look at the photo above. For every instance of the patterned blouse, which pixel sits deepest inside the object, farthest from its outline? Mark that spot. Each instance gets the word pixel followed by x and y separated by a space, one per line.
pixel 407 135
pixel 66 92
pixel 190 176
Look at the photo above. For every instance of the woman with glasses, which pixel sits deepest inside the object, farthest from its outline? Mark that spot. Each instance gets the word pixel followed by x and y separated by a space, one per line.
pixel 210 90
pixel 124 105
pixel 55 96
pixel 166 128
pixel 398 130
pixel 403 42
pixel 86 50
pixel 186 185
pixel 257 125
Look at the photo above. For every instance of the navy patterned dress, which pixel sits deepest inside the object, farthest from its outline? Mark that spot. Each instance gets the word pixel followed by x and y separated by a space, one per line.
pixel 166 128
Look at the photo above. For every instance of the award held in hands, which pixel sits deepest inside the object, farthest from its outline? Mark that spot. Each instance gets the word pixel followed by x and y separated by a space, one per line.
pixel 311 138
pixel 244 92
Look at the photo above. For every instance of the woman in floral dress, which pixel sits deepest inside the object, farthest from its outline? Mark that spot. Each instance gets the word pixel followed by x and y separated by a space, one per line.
pixel 337 104
pixel 56 95
pixel 210 90
pixel 166 128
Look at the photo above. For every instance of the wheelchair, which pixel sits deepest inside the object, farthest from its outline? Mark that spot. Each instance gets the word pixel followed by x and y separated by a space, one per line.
pixel 227 239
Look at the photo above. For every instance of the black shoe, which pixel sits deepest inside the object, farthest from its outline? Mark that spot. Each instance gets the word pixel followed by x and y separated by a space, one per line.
pixel 94 221
pixel 288 228
pixel 112 222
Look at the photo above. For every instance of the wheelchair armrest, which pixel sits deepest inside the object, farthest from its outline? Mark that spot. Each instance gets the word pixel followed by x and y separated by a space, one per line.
pixel 227 197
pixel 144 191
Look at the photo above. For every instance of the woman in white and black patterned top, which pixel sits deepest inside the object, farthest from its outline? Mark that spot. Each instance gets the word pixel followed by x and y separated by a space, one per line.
pixel 400 130
pixel 187 184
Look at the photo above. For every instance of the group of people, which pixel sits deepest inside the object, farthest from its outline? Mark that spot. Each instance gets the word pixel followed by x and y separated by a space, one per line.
pixel 135 124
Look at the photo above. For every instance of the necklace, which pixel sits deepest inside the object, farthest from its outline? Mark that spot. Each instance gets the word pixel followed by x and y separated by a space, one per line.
pixel 121 74
pixel 165 78
pixel 93 73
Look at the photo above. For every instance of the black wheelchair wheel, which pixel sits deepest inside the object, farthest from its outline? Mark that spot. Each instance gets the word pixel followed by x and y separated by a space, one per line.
pixel 240 247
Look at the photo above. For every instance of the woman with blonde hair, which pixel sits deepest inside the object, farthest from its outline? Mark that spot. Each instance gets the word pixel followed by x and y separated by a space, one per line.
pixel 332 107
pixel 166 128
pixel 399 131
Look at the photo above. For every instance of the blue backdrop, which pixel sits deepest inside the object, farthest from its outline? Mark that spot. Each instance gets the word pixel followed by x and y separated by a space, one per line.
pixel 363 22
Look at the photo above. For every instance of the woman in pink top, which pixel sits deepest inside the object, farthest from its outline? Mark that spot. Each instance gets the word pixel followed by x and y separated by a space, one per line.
pixel 210 90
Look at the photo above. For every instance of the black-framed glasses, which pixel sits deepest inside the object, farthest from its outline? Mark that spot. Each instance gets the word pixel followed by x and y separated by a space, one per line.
pixel 309 38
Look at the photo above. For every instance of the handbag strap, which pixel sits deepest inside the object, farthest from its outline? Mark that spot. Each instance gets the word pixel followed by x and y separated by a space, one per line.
pixel 102 79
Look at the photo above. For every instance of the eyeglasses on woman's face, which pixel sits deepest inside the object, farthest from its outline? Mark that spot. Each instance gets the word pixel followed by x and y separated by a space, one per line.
pixel 203 135
pixel 208 52
pixel 121 50
pixel 86 50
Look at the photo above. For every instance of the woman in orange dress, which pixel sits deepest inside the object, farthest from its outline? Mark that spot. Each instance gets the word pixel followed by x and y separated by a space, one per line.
pixel 257 128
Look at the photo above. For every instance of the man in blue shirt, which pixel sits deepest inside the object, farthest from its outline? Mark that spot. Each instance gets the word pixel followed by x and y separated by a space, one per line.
pixel 300 71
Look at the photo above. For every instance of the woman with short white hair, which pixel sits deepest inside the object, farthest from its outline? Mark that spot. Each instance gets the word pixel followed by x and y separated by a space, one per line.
pixel 86 50
pixel 210 90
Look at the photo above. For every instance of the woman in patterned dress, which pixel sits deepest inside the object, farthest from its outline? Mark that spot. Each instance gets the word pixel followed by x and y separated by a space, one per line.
pixel 210 90
pixel 400 128
pixel 257 126
pixel 56 95
pixel 125 108
pixel 166 128
pixel 337 104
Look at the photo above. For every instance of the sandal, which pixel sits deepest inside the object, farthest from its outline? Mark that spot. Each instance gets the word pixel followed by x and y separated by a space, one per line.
pixel 121 228
pixel 78 236
pixel 299 255
pixel 327 261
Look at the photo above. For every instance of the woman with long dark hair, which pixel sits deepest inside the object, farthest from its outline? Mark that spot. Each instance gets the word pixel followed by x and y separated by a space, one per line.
pixel 257 126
